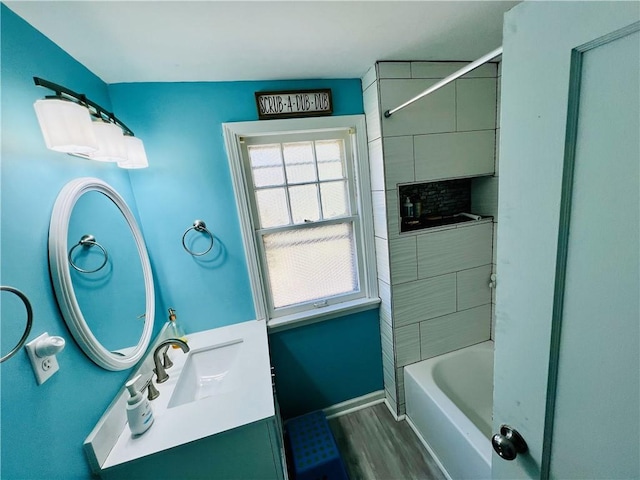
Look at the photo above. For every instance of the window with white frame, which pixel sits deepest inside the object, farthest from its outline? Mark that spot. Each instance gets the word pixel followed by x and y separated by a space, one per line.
pixel 304 201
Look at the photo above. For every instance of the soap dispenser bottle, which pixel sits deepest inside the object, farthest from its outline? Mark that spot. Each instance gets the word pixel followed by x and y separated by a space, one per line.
pixel 139 413
pixel 175 330
pixel 408 207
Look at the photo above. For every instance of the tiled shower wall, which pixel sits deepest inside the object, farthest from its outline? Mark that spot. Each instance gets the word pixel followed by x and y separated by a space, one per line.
pixel 433 283
pixel 484 197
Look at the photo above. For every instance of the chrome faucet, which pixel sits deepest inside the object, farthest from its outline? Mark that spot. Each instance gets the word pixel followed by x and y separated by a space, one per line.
pixel 164 346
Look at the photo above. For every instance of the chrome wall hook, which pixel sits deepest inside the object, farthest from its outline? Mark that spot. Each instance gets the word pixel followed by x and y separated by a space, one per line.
pixel 198 226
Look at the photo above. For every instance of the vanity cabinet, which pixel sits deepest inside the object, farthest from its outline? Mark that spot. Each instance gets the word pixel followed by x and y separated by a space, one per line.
pixel 230 429
pixel 250 451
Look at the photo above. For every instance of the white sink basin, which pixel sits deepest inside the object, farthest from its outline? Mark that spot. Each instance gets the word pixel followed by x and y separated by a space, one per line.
pixel 208 372
pixel 222 383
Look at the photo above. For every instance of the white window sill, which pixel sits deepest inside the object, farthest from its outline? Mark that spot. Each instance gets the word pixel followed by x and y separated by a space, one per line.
pixel 321 314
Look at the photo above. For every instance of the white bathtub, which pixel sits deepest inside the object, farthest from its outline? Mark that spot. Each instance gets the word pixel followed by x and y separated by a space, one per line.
pixel 449 401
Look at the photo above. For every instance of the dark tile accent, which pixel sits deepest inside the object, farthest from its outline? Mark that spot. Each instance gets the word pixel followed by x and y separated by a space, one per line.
pixel 434 203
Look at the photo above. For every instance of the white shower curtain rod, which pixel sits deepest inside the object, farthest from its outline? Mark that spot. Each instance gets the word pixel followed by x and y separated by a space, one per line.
pixel 466 69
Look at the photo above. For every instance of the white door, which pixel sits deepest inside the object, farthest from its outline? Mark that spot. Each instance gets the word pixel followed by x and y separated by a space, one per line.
pixel 568 240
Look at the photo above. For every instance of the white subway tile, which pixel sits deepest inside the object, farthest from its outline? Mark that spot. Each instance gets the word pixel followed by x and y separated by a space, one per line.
pixel 388 374
pixel 473 287
pixel 488 70
pixel 437 70
pixel 400 384
pixel 386 335
pixel 372 112
pixel 453 250
pixel 376 164
pixel 398 160
pixel 382 259
pixel 368 78
pixel 423 299
pixel 497 153
pixel 386 341
pixel 444 69
pixel 391 399
pixel 475 104
pixel 449 155
pixel 493 321
pixel 394 69
pixel 431 114
pixel 452 332
pixel 498 101
pixel 494 257
pixel 393 214
pixel 493 296
pixel 385 312
pixel 384 292
pixel 379 213
pixel 403 260
pixel 407 342
pixel 388 359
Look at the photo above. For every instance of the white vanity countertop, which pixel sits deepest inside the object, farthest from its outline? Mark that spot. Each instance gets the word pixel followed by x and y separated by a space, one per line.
pixel 250 400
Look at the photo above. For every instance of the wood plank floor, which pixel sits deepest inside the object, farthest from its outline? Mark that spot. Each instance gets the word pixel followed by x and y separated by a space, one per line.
pixel 376 447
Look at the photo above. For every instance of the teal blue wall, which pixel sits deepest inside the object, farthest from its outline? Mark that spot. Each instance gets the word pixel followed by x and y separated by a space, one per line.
pixel 189 178
pixel 43 427
pixel 327 363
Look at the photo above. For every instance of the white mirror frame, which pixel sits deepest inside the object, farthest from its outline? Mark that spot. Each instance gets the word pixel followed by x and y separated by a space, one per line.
pixel 61 274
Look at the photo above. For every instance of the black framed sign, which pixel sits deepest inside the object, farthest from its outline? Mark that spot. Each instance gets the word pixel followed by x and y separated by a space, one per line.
pixel 294 103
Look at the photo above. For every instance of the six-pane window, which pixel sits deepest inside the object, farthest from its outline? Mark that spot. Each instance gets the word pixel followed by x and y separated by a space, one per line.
pixel 305 217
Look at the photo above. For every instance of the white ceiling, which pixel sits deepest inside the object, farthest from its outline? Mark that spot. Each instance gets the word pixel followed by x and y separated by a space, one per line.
pixel 169 41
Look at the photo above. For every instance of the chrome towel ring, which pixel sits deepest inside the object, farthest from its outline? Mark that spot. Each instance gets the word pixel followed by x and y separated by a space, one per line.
pixel 198 226
pixel 88 241
pixel 27 330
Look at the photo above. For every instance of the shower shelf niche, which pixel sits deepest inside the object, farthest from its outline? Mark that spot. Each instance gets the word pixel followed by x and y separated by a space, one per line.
pixel 435 204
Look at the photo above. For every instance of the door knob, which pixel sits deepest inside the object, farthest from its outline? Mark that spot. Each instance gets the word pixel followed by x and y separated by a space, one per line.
pixel 509 443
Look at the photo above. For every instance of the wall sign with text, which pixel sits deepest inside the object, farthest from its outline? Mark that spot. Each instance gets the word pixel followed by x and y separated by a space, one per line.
pixel 300 103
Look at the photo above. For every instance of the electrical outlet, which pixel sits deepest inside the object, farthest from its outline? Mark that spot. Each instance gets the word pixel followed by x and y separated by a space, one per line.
pixel 43 367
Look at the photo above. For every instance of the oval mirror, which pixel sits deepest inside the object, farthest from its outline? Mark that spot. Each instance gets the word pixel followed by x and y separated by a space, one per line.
pixel 101 273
